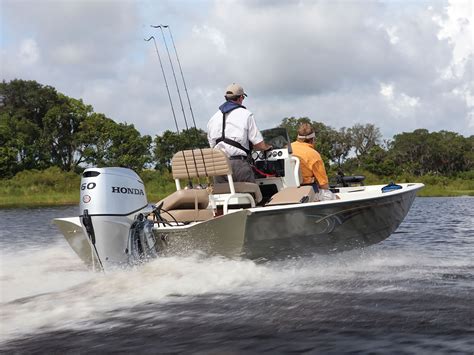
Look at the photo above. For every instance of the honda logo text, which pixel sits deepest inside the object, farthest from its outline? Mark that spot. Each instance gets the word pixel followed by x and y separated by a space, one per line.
pixel 126 190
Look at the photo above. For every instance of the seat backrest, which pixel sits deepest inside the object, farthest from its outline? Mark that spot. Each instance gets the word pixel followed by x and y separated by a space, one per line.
pixel 206 162
pixel 200 163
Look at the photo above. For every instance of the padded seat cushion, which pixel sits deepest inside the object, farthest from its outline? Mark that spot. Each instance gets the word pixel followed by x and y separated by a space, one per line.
pixel 241 187
pixel 186 199
pixel 188 215
pixel 291 195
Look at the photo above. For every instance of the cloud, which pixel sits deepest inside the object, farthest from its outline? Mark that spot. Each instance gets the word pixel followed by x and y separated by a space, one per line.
pixel 213 35
pixel 28 52
pixel 399 66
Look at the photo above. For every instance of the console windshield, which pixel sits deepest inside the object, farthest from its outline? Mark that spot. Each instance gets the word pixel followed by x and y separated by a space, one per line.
pixel 277 137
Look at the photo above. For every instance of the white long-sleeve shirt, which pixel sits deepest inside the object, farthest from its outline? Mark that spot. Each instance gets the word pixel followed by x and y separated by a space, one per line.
pixel 240 127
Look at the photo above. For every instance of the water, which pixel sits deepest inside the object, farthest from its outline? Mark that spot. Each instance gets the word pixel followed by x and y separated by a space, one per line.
pixel 413 293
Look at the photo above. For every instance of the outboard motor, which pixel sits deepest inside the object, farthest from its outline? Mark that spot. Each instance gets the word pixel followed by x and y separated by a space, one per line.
pixel 111 200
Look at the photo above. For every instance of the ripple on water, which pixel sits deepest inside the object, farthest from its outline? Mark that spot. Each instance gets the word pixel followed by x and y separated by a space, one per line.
pixel 411 293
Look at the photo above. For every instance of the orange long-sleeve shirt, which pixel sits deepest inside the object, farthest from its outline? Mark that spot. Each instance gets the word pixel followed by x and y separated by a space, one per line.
pixel 311 164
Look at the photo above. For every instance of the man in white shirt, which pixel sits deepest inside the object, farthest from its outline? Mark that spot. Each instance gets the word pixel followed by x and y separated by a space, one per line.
pixel 239 136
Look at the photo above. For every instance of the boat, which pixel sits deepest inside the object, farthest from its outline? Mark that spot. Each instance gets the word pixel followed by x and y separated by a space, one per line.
pixel 274 218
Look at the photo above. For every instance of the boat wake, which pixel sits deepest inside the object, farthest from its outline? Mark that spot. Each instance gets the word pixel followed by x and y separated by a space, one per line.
pixel 44 289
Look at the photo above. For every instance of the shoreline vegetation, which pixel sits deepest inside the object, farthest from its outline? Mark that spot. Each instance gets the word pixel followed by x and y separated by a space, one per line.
pixel 53 187
pixel 46 138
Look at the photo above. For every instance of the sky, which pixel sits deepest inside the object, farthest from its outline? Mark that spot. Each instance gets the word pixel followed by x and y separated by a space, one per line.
pixel 400 65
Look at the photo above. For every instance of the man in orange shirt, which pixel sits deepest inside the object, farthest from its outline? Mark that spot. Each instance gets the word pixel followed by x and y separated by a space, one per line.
pixel 311 164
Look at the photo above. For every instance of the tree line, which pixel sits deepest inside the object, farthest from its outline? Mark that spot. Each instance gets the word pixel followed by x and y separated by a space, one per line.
pixel 415 153
pixel 40 128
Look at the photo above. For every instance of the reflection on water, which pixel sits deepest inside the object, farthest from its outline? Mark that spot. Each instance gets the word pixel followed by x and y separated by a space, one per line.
pixel 411 293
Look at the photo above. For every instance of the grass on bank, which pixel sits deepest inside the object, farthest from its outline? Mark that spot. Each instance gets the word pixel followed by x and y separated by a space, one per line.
pixel 37 188
pixel 55 187
pixel 435 185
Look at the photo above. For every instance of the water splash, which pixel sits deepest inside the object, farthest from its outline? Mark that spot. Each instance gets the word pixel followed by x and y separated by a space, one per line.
pixel 47 287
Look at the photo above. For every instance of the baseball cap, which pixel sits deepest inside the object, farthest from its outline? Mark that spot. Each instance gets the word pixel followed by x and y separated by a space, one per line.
pixel 234 90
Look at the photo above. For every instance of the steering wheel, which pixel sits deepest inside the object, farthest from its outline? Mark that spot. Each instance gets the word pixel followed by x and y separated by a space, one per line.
pixel 261 155
pixel 255 155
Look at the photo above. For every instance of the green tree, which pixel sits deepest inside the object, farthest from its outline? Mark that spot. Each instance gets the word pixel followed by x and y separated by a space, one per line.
pixel 443 152
pixel 93 140
pixel 24 104
pixel 103 142
pixel 411 151
pixel 324 142
pixel 27 99
pixel 449 151
pixel 379 161
pixel 469 154
pixel 341 146
pixel 291 124
pixel 129 149
pixel 61 126
pixel 364 137
pixel 40 127
pixel 166 145
pixel 8 148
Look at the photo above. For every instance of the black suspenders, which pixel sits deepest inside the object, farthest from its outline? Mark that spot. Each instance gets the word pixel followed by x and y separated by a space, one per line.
pixel 230 141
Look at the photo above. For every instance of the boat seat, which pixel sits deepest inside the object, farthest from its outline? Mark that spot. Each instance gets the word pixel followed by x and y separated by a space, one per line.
pixel 186 199
pixel 208 162
pixel 189 205
pixel 292 195
pixel 243 187
pixel 189 215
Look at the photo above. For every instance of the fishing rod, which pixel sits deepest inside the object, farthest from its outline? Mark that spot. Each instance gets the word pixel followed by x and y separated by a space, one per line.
pixel 166 81
pixel 171 101
pixel 185 89
pixel 179 93
pixel 172 70
pixel 182 75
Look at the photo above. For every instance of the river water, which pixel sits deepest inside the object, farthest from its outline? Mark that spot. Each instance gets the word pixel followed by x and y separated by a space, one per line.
pixel 413 293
